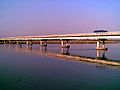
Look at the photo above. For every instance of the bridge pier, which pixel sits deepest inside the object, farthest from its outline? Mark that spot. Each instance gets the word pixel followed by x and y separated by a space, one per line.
pixel 98 44
pixel 9 42
pixel 29 42
pixel 4 41
pixel 17 42
pixel 1 41
pixel 99 47
pixel 65 44
pixel 43 43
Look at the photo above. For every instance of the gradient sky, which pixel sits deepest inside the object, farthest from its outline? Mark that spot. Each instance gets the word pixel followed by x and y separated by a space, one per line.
pixel 39 17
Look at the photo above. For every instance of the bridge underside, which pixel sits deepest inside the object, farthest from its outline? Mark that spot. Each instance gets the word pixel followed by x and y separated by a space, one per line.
pixel 100 43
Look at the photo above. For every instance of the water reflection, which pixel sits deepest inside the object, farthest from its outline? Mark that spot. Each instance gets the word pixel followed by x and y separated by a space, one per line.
pixel 28 72
pixel 100 54
pixel 63 53
pixel 43 48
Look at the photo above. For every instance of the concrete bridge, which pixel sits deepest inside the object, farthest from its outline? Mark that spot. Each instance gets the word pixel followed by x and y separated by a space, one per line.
pixel 64 39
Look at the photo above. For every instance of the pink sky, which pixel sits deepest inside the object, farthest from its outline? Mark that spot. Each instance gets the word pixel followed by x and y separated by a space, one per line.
pixel 38 17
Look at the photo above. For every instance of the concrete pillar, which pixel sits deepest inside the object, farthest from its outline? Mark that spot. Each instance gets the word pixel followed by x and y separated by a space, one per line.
pixel 27 42
pixel 4 42
pixel 103 44
pixel 17 42
pixel 98 44
pixel 41 42
pixel 30 43
pixel 9 42
pixel 101 47
pixel 67 44
pixel 20 42
pixel 62 43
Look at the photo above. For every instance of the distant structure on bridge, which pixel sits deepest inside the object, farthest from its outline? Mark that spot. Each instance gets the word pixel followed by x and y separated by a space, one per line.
pixel 99 31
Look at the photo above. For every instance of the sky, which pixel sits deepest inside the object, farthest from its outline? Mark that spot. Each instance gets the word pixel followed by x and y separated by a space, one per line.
pixel 41 17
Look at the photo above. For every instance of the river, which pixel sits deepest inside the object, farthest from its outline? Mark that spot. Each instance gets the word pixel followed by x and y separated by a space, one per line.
pixel 29 68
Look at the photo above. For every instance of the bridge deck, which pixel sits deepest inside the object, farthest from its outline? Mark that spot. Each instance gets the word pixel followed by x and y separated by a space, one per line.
pixel 79 36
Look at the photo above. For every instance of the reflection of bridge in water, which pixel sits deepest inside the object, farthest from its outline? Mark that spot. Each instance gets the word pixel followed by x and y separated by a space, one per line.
pixel 100 54
pixel 65 54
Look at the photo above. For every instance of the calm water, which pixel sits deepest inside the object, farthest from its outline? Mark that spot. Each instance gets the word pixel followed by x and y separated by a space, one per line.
pixel 28 68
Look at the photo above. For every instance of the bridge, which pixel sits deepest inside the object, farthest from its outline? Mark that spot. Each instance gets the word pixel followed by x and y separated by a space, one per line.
pixel 64 39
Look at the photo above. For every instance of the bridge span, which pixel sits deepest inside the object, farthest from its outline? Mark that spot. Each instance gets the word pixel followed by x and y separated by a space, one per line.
pixel 65 38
